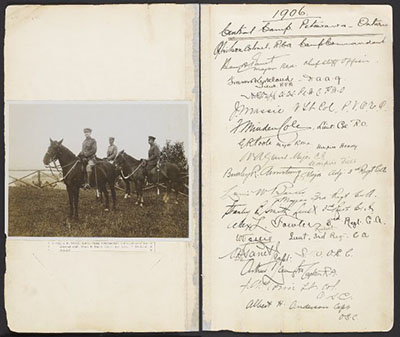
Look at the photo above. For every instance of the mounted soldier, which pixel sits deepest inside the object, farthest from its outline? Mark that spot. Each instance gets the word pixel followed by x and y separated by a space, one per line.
pixel 88 154
pixel 112 150
pixel 154 156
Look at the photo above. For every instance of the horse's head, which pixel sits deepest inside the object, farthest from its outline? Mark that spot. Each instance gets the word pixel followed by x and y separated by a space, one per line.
pixel 119 159
pixel 53 152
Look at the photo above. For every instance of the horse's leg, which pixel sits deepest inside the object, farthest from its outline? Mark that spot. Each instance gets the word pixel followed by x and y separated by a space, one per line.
pixel 136 191
pixel 166 195
pixel 176 188
pixel 114 196
pixel 70 199
pixel 127 189
pixel 104 190
pixel 76 201
pixel 140 186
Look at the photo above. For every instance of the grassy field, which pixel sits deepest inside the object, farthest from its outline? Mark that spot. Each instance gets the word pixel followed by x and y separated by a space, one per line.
pixel 40 213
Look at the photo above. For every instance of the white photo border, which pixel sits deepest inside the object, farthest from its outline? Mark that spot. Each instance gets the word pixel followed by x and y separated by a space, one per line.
pixel 191 161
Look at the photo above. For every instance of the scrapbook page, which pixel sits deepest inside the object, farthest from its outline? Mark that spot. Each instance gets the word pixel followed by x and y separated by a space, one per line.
pixel 102 168
pixel 104 197
pixel 298 191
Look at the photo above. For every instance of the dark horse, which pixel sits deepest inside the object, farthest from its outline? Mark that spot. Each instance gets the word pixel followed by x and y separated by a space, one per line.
pixel 131 169
pixel 169 174
pixel 73 175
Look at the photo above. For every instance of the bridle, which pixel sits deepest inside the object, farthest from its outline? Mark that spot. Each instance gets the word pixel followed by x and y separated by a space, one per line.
pixel 130 174
pixel 57 167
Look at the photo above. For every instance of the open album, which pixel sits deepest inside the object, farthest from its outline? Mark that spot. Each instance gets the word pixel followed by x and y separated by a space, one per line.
pixel 135 132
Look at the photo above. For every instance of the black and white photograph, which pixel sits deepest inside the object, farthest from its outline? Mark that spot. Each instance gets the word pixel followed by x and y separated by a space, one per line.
pixel 98 169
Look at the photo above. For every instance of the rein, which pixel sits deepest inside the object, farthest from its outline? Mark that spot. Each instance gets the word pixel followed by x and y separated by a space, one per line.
pixel 70 170
pixel 132 173
pixel 56 167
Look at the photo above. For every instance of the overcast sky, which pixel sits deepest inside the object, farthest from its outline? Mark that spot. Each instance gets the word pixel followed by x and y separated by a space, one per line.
pixel 31 125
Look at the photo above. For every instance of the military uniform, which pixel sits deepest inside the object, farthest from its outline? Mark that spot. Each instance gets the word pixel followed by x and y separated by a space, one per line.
pixel 112 152
pixel 89 148
pixel 154 156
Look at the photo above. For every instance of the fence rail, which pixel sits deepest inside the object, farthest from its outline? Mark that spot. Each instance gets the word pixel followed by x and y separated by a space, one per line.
pixel 35 178
pixel 45 178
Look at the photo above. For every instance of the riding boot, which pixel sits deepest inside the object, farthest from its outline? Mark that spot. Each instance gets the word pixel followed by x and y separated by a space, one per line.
pixel 87 182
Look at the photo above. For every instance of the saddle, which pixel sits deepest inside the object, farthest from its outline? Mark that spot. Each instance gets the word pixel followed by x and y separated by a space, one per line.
pixel 145 164
pixel 84 160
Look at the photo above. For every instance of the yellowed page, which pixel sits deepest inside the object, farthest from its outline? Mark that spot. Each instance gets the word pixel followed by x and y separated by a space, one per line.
pixel 297 167
pixel 104 53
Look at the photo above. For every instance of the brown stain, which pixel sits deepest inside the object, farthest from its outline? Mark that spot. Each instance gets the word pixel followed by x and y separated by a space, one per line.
pixel 17 16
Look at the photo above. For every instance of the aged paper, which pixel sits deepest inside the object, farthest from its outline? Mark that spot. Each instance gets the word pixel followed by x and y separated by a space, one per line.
pixel 297 168
pixel 104 53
